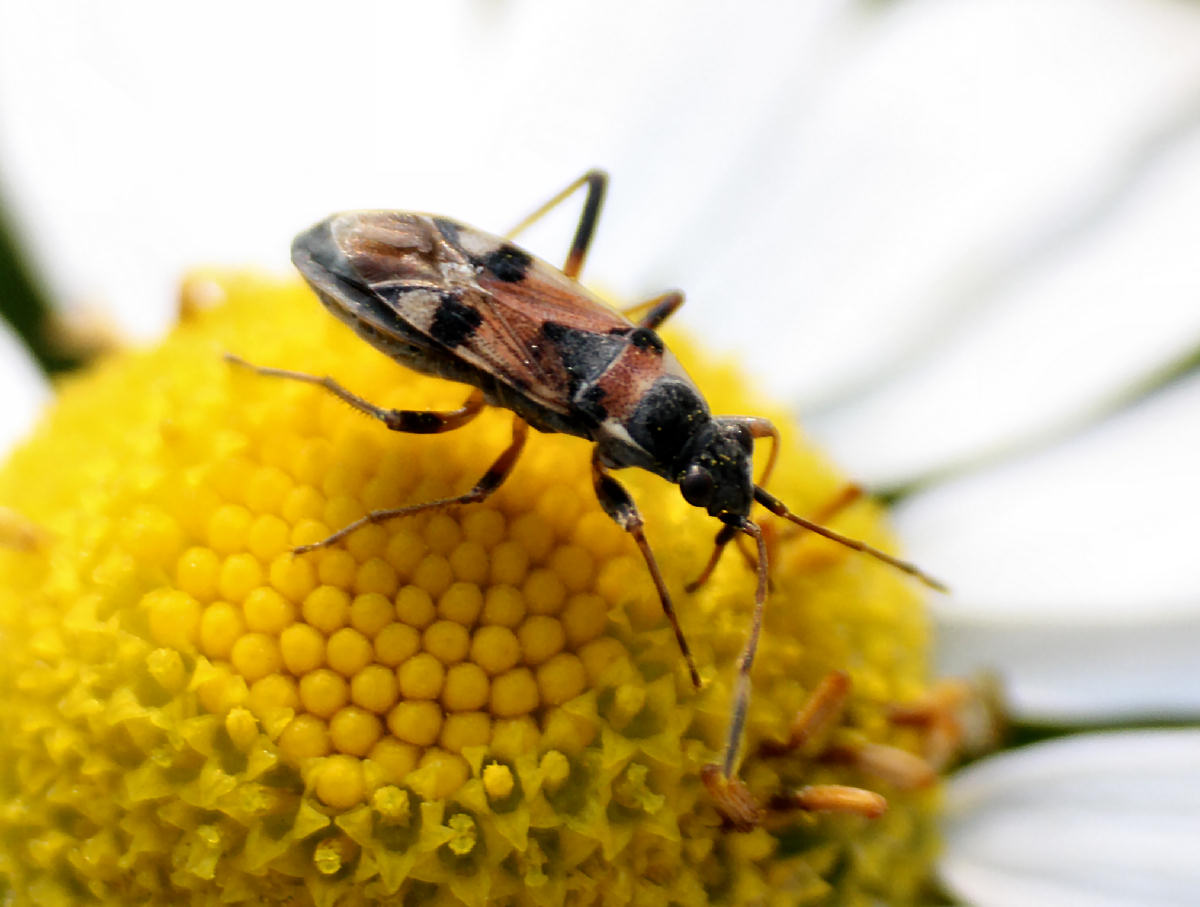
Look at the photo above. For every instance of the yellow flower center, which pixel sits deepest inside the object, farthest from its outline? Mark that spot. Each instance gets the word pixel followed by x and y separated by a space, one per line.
pixel 480 705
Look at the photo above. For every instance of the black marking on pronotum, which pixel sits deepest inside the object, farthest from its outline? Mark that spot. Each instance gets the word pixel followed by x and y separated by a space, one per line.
pixel 453 322
pixel 508 263
pixel 584 354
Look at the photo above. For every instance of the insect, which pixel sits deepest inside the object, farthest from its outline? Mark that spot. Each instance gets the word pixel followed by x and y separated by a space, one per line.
pixel 450 300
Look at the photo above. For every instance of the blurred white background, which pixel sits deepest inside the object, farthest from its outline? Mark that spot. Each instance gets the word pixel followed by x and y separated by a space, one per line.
pixel 943 231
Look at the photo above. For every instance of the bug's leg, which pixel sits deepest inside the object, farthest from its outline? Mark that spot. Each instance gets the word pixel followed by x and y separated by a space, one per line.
pixel 597 183
pixel 413 421
pixel 488 483
pixel 724 537
pixel 741 684
pixel 658 309
pixel 780 509
pixel 619 505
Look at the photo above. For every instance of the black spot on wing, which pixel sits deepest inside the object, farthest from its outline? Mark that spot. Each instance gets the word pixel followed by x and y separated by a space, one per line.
pixel 667 418
pixel 454 321
pixel 646 339
pixel 508 263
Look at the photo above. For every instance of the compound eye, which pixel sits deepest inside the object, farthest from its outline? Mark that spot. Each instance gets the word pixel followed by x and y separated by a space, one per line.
pixel 742 434
pixel 697 486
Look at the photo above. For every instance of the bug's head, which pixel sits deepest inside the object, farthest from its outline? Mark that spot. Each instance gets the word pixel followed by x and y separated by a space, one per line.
pixel 717 469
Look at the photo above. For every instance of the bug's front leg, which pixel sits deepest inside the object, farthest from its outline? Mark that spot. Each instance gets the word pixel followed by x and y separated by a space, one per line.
pixel 488 483
pixel 618 504
pixel 412 421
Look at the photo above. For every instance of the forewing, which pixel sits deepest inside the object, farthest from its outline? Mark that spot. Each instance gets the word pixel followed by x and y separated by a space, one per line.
pixel 456 291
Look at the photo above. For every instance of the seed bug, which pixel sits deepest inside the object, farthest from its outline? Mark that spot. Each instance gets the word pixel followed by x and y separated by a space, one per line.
pixel 449 300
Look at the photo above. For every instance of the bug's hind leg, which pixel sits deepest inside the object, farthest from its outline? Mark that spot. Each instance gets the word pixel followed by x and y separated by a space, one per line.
pixel 413 421
pixel 597 184
pixel 619 505
pixel 487 484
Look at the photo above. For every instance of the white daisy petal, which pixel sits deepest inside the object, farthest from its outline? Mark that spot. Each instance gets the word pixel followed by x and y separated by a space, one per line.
pixel 1083 531
pixel 1064 334
pixel 1055 672
pixel 1074 570
pixel 1102 820
pixel 938 148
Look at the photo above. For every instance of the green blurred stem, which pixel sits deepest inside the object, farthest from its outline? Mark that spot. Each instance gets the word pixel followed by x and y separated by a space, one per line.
pixel 26 307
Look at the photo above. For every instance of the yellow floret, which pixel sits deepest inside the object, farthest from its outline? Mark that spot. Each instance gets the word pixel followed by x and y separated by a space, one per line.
pixel 442 533
pixel 447 641
pixel 354 730
pixel 273 697
pixel 268 536
pixel 510 561
pixel 327 608
pixel 306 736
pixel 415 722
pixel 221 625
pixel 396 643
pixel 434 575
pixel 302 647
pixel 256 655
pixel 561 678
pixel 404 551
pixel 323 692
pixel 292 577
pixel 466 687
pixel 197 571
pixel 340 782
pixel 463 729
pixel 495 649
pixel 337 567
pixel 461 603
pixel 414 606
pixel 348 651
pixel 514 693
pixel 478 706
pixel 469 561
pixel 584 618
pixel 503 606
pixel 544 591
pixel 540 637
pixel 376 576
pixel 240 575
pixel 370 612
pixel 420 677
pixel 497 781
pixel 174 617
pixel 228 527
pixel 267 610
pixel 374 688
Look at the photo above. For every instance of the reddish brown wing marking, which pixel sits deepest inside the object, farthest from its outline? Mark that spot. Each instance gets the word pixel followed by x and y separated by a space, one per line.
pixel 479 297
